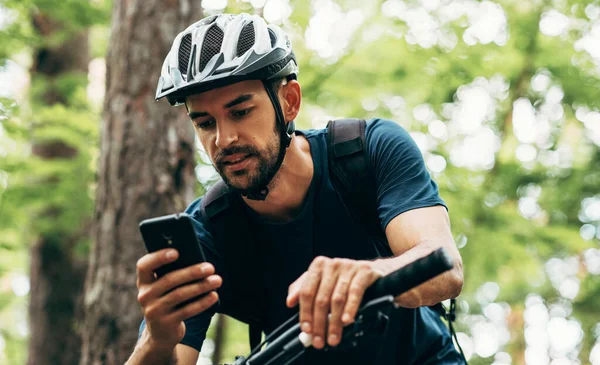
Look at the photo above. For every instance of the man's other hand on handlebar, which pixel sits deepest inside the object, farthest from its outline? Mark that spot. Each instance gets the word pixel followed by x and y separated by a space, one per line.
pixel 329 294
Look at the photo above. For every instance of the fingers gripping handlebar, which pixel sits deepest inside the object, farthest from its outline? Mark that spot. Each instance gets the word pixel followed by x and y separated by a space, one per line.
pixel 291 343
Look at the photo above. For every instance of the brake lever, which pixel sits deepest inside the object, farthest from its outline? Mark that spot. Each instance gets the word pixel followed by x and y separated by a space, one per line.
pixel 371 320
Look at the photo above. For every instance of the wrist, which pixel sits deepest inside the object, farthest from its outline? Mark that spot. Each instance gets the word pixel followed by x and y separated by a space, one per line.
pixel 410 299
pixel 381 266
pixel 148 351
pixel 156 346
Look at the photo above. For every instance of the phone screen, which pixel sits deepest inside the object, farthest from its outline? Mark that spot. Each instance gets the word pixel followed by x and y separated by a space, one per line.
pixel 173 231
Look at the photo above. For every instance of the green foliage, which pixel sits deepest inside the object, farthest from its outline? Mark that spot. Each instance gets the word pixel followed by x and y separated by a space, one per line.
pixel 73 14
pixel 99 37
pixel 44 196
pixel 57 190
pixel 15 36
pixel 502 246
pixel 497 241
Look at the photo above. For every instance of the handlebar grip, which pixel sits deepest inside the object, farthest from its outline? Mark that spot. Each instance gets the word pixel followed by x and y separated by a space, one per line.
pixel 411 275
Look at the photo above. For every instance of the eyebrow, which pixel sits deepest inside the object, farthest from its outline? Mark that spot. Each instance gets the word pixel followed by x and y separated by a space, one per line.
pixel 240 99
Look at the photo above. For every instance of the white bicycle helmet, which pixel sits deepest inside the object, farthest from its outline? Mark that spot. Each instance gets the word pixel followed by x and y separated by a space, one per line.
pixel 224 49
pixel 221 50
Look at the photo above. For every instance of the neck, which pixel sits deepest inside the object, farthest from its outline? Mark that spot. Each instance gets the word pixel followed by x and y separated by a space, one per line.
pixel 289 187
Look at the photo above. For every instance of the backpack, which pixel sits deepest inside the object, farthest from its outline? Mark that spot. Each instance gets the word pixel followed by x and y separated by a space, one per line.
pixel 354 181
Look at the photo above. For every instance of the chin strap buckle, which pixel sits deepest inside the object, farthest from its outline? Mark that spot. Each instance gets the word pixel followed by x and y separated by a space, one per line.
pixel 291 128
pixel 259 194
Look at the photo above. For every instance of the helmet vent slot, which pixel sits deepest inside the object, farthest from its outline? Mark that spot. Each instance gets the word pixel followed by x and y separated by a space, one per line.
pixel 184 53
pixel 272 36
pixel 211 45
pixel 211 19
pixel 246 40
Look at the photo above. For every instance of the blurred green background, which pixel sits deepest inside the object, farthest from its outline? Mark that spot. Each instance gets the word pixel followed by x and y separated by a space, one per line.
pixel 502 98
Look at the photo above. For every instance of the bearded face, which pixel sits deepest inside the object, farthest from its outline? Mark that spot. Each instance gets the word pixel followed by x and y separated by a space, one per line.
pixel 246 167
pixel 237 127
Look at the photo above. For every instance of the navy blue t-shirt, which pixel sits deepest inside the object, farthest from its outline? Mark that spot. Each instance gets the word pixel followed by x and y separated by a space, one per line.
pixel 323 227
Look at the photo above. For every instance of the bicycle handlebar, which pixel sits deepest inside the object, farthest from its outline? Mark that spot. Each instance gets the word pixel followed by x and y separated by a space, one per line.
pixel 292 343
pixel 411 275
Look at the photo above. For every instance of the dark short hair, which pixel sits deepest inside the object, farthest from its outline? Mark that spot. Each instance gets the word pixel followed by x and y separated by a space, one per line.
pixel 275 84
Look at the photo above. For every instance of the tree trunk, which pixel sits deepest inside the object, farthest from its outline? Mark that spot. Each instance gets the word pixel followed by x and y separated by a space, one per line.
pixel 56 286
pixel 146 169
pixel 219 338
pixel 56 272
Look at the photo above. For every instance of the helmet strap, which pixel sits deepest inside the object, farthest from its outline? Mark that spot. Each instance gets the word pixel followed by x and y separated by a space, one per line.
pixel 285 138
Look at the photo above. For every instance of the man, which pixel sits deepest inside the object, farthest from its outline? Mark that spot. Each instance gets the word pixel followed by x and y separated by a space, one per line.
pixel 237 79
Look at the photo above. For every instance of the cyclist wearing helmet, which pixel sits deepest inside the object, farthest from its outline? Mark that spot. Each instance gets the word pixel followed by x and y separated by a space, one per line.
pixel 236 75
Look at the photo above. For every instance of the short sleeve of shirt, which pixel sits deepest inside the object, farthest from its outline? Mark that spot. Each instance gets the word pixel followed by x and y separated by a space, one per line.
pixel 403 182
pixel 197 326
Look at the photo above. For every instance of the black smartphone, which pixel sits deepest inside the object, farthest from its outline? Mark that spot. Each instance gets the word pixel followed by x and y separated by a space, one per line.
pixel 173 231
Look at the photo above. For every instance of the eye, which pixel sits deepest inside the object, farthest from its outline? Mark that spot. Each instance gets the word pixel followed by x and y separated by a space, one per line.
pixel 205 124
pixel 241 113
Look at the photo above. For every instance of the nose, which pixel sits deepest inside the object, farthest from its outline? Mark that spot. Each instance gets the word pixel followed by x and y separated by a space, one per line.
pixel 226 134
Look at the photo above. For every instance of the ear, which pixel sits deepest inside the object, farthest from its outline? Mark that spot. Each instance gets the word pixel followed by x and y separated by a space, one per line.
pixel 292 98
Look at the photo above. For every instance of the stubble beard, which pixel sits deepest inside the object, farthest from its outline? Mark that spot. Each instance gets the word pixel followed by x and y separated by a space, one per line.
pixel 254 177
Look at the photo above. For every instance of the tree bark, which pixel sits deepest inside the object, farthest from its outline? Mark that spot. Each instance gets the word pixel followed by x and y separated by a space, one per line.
pixel 56 286
pixel 146 169
pixel 56 272
pixel 219 338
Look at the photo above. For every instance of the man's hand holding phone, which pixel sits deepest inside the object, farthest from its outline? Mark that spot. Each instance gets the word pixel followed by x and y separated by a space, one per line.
pixel 163 299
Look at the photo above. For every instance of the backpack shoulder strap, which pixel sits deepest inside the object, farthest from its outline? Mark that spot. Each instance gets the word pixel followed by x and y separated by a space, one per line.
pixel 215 200
pixel 220 208
pixel 353 178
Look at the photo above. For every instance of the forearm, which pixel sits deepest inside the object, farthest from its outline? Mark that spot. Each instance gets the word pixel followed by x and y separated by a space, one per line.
pixel 442 287
pixel 148 353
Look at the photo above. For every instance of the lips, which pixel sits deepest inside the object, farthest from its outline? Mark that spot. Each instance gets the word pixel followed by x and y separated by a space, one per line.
pixel 234 159
pixel 235 162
